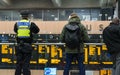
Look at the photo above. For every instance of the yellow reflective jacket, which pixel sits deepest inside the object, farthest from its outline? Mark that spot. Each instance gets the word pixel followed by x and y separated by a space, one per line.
pixel 23 29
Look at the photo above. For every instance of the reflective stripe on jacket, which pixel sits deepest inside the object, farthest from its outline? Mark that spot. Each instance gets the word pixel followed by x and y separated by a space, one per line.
pixel 23 29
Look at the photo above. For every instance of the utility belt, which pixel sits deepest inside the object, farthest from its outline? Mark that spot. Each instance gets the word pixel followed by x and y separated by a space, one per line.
pixel 24 47
pixel 23 43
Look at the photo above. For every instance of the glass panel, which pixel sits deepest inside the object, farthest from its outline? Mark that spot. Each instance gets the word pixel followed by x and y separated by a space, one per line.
pixel 95 14
pixel 64 14
pixel 36 14
pixel 50 15
pixel 9 15
pixel 84 14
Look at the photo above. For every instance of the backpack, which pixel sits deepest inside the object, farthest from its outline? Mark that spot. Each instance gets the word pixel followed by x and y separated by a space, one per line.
pixel 23 29
pixel 72 36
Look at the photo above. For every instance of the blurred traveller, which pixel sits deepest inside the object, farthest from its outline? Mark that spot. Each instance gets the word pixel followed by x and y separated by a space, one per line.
pixel 111 37
pixel 74 34
pixel 24 30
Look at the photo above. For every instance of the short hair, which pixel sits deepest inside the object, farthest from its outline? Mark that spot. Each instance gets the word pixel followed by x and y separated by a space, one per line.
pixel 72 15
pixel 116 20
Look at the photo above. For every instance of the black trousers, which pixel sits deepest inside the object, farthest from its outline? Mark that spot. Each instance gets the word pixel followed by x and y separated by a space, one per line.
pixel 116 64
pixel 23 61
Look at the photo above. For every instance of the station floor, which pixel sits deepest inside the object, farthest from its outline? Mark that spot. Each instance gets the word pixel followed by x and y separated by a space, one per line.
pixel 41 72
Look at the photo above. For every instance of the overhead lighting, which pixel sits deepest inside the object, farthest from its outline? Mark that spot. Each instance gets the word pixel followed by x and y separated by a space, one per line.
pixel 5 2
pixel 53 15
pixel 57 3
pixel 82 10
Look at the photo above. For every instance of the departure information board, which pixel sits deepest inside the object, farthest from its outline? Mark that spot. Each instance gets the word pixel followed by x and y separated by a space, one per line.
pixel 52 54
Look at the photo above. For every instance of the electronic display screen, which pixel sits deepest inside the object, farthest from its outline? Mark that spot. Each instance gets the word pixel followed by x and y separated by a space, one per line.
pixel 44 55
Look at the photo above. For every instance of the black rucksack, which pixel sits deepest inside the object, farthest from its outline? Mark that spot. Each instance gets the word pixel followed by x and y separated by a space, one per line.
pixel 72 36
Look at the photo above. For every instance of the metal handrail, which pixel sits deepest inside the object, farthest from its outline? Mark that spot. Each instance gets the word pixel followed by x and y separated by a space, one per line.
pixel 54 43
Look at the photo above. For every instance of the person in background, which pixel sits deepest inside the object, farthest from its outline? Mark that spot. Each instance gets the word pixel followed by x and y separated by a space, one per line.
pixel 24 30
pixel 111 37
pixel 74 35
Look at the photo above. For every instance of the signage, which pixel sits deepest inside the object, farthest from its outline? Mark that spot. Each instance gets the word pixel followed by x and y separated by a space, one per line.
pixel 50 71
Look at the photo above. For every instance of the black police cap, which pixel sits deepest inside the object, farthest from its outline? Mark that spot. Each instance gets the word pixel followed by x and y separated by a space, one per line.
pixel 24 14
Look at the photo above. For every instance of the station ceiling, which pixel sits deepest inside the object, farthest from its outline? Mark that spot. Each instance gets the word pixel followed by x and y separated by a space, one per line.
pixel 46 4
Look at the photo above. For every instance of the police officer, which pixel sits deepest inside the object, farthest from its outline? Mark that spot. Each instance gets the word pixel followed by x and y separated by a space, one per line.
pixel 24 30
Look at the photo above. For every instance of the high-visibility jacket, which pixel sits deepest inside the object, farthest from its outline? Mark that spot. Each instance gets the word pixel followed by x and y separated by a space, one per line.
pixel 23 29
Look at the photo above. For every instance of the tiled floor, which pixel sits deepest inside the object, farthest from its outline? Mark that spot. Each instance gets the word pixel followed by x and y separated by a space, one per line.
pixel 41 72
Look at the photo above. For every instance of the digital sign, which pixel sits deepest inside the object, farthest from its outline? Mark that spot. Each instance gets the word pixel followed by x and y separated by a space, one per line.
pixel 106 72
pixel 54 54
